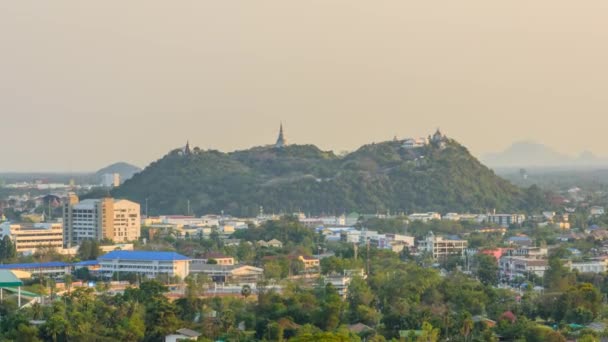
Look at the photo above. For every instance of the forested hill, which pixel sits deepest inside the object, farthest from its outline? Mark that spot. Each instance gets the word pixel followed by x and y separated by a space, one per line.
pixel 375 178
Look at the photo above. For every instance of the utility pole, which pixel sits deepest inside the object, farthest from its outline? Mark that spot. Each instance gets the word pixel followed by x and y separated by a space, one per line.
pixel 368 257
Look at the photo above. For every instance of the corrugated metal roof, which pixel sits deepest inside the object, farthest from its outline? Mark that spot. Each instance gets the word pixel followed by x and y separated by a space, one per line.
pixel 34 265
pixel 8 279
pixel 143 255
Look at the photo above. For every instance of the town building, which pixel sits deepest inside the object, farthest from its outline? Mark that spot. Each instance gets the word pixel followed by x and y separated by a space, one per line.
pixel 513 267
pixel 110 180
pixel 274 243
pixel 97 219
pixel 183 335
pixel 55 269
pixel 593 266
pixel 441 247
pixel 424 217
pixel 505 220
pixel 310 263
pixel 29 237
pixel 340 282
pixel 232 274
pixel 149 264
pixel 218 259
pixel 596 211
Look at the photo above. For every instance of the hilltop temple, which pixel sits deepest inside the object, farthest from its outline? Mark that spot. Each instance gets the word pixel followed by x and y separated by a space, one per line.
pixel 281 141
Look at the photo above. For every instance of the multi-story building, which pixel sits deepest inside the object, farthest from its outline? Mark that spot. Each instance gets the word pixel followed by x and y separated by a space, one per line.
pixel 110 180
pixel 595 266
pixel 28 237
pixel 441 247
pixel 512 267
pixel 505 220
pixel 97 219
pixel 149 264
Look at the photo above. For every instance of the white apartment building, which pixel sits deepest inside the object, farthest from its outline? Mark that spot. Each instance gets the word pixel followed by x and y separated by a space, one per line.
pixel 97 219
pixel 149 264
pixel 441 247
pixel 28 237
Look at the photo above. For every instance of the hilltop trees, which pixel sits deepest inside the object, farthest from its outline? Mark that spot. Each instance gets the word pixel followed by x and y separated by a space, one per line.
pixel 376 177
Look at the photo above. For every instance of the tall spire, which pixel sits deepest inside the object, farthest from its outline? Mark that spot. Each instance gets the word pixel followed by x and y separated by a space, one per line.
pixel 281 141
pixel 187 150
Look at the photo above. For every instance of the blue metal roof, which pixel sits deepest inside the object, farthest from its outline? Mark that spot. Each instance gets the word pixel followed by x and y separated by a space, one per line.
pixel 34 265
pixel 143 255
pixel 87 263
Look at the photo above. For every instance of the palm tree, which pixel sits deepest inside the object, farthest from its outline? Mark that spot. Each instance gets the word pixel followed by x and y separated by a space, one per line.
pixel 68 279
pixel 467 328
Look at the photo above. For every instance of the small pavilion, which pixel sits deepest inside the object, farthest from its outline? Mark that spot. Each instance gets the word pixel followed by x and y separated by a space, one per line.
pixel 9 281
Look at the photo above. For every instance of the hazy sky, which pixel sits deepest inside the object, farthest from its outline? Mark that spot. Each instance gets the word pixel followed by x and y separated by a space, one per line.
pixel 84 84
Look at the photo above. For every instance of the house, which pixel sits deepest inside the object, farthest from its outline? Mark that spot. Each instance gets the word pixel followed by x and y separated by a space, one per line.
pixel 520 240
pixel 149 264
pixel 596 211
pixel 359 328
pixel 183 335
pixel 274 243
pixel 309 262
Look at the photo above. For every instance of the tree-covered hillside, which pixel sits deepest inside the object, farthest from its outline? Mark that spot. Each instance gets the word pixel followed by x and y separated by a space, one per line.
pixel 376 177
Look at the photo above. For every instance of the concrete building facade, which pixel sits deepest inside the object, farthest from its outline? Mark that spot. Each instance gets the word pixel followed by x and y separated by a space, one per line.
pixel 28 237
pixel 149 264
pixel 441 247
pixel 97 219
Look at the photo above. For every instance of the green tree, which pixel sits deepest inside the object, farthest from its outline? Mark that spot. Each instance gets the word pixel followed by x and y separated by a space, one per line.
pixel 487 269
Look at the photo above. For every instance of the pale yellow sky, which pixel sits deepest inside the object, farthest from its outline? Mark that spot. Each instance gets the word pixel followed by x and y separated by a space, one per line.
pixel 84 84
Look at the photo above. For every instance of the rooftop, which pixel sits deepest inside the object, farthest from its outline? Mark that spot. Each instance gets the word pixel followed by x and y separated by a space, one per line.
pixel 8 279
pixel 143 255
pixel 34 265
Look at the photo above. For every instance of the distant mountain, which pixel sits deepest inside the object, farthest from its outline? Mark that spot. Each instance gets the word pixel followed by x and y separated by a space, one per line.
pixel 375 178
pixel 533 154
pixel 125 170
